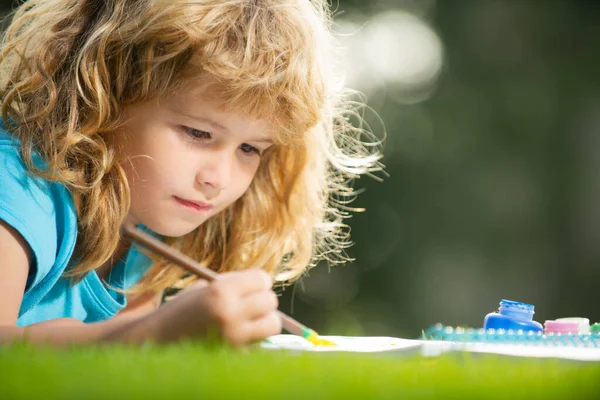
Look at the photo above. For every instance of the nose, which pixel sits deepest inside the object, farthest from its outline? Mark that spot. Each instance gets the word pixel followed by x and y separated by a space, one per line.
pixel 214 174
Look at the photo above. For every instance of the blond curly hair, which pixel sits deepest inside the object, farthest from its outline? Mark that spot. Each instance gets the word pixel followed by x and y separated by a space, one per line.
pixel 69 67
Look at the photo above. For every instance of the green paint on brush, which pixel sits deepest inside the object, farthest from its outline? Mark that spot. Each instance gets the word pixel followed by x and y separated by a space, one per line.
pixel 306 332
pixel 314 338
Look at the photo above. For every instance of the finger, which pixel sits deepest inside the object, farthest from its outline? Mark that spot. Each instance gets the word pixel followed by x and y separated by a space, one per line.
pixel 262 327
pixel 258 304
pixel 200 283
pixel 245 282
pixel 194 285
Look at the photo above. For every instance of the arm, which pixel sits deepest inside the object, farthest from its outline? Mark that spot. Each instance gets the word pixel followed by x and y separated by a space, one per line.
pixel 138 306
pixel 143 303
pixel 239 306
pixel 14 267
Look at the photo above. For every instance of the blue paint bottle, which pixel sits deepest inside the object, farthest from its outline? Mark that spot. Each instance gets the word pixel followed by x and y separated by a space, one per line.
pixel 513 315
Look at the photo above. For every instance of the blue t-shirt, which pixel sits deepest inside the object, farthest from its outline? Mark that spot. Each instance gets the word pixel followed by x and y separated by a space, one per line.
pixel 44 214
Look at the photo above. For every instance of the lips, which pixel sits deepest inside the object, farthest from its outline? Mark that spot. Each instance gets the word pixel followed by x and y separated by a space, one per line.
pixel 198 206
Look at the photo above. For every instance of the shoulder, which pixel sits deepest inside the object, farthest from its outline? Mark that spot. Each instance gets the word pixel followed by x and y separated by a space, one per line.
pixel 42 212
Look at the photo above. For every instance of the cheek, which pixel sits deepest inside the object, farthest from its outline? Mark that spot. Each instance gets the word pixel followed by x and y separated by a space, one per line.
pixel 145 178
pixel 156 159
pixel 240 182
pixel 141 179
pixel 244 180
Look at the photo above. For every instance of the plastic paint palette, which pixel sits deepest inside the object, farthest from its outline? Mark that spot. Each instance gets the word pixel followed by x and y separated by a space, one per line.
pixel 501 336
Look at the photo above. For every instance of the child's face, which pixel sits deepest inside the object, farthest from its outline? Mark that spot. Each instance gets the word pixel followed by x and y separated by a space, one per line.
pixel 186 160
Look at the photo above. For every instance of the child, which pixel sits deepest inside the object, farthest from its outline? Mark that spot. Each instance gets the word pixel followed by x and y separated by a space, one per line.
pixel 215 126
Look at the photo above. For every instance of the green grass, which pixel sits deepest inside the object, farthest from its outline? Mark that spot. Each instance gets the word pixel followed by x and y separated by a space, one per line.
pixel 194 371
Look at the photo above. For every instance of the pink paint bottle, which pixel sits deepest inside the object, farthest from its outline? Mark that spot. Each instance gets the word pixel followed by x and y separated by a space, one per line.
pixel 583 323
pixel 562 327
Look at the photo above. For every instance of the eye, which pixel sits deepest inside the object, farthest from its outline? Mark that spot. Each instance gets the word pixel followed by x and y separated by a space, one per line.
pixel 249 149
pixel 197 134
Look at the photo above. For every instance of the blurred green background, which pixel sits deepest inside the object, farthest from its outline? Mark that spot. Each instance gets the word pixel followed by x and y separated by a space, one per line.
pixel 492 115
pixel 492 110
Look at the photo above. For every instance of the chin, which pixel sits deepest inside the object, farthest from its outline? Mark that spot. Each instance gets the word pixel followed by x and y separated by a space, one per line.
pixel 173 228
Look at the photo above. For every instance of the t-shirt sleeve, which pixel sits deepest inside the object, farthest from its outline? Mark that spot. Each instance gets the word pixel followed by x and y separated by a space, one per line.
pixel 38 209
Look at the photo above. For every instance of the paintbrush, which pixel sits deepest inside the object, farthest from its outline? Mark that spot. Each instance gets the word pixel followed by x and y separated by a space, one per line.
pixel 189 264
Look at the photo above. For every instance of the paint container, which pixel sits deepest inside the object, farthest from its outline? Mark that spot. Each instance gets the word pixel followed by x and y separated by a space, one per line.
pixel 583 324
pixel 513 315
pixel 562 327
pixel 595 328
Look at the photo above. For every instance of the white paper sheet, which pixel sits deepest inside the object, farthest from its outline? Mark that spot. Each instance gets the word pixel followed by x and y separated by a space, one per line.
pixel 379 344
pixel 354 344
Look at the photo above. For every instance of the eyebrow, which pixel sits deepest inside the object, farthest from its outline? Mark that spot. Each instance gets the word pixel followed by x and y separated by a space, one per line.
pixel 215 124
pixel 208 121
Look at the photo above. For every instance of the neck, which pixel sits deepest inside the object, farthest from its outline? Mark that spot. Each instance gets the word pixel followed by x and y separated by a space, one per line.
pixel 122 248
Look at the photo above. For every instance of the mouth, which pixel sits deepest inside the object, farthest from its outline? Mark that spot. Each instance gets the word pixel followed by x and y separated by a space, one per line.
pixel 197 206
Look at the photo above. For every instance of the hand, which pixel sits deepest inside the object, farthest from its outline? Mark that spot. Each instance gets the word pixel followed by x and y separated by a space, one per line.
pixel 239 306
